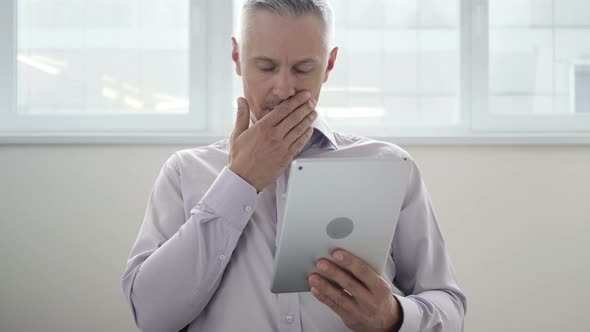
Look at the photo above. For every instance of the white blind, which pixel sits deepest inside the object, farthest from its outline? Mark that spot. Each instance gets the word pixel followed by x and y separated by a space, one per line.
pixel 106 67
pixel 538 55
pixel 107 56
pixel 538 48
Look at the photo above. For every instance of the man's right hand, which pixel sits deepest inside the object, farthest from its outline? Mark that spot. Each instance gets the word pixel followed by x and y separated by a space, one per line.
pixel 260 154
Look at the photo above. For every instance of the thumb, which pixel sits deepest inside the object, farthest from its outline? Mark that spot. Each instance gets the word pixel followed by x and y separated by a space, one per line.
pixel 242 119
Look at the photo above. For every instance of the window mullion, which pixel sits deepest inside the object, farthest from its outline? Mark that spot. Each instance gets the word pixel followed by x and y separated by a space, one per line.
pixel 7 63
pixel 466 63
pixel 219 67
pixel 198 32
pixel 479 64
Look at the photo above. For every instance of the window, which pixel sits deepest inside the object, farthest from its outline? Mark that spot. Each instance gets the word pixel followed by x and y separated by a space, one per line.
pixel 538 66
pixel 406 68
pixel 105 67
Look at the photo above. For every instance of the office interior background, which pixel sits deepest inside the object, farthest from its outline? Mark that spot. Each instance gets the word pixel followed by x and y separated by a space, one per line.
pixel 491 97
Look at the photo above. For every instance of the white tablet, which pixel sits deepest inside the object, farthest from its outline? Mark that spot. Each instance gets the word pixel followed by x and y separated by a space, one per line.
pixel 347 203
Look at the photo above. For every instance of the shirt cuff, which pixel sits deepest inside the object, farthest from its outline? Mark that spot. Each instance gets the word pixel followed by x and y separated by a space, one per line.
pixel 231 198
pixel 411 312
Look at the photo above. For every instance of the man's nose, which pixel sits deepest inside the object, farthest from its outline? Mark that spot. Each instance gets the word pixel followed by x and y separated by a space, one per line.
pixel 284 86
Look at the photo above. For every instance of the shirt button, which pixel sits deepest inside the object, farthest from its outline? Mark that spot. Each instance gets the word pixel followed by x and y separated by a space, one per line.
pixel 222 257
pixel 289 319
pixel 248 208
pixel 284 195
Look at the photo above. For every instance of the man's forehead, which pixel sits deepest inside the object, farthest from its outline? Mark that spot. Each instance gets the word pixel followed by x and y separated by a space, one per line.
pixel 277 37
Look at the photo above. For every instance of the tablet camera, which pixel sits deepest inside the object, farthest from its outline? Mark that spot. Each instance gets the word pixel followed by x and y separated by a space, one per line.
pixel 340 228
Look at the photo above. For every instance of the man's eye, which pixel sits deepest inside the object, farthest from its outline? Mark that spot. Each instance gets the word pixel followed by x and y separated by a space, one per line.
pixel 300 71
pixel 267 69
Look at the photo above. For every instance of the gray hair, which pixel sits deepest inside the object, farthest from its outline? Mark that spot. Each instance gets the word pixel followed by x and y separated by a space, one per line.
pixel 292 8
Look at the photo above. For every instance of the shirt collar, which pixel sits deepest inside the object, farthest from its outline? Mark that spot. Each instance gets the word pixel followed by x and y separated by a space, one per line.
pixel 321 126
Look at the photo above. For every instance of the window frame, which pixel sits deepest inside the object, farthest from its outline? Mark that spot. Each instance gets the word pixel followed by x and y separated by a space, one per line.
pixel 7 58
pixel 213 92
pixel 108 127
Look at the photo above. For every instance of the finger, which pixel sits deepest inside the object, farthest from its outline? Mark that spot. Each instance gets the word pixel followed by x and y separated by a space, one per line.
pixel 242 119
pixel 295 117
pixel 300 128
pixel 361 270
pixel 285 108
pixel 345 280
pixel 300 142
pixel 335 298
pixel 329 303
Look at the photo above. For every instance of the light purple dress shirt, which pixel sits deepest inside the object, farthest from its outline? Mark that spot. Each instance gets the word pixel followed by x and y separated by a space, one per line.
pixel 204 254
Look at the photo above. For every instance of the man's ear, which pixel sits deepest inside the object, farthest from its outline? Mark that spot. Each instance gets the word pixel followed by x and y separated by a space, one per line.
pixel 235 55
pixel 331 63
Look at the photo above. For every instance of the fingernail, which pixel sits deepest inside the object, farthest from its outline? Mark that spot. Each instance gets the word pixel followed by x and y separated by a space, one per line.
pixel 240 105
pixel 323 267
pixel 338 256
pixel 313 103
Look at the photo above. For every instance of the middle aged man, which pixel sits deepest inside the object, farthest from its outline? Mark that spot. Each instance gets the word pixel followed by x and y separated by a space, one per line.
pixel 203 258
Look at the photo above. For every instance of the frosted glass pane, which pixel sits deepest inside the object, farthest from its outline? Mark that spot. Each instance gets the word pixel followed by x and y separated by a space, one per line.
pixel 519 13
pixel 439 63
pixel 521 105
pixel 366 13
pixel 397 54
pixel 572 13
pixel 434 13
pixel 438 110
pixel 108 56
pixel 521 61
pixel 537 48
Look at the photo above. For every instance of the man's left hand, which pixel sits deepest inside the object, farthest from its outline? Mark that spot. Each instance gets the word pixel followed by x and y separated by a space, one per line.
pixel 364 300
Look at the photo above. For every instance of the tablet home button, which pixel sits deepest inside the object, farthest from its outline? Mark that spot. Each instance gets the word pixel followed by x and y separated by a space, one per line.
pixel 340 228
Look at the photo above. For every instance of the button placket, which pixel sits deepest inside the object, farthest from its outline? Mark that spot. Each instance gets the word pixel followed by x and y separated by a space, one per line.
pixel 289 311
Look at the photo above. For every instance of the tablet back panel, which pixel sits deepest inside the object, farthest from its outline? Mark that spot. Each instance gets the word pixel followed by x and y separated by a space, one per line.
pixel 348 203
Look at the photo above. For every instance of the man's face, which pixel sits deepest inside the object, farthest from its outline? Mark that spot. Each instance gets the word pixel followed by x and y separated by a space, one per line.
pixel 280 57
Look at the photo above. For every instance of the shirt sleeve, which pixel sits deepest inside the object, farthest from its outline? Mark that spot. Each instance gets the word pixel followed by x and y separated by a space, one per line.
pixel 433 300
pixel 176 265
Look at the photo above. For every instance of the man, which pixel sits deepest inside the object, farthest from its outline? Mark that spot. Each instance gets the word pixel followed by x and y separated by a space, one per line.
pixel 203 257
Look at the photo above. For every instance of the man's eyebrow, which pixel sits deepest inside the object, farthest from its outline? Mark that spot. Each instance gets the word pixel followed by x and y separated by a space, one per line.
pixel 307 61
pixel 298 63
pixel 262 58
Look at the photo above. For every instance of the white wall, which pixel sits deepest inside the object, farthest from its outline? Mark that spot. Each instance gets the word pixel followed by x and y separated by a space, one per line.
pixel 516 221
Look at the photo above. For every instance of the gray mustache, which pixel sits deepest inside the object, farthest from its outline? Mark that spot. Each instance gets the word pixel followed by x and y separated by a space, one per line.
pixel 273 103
